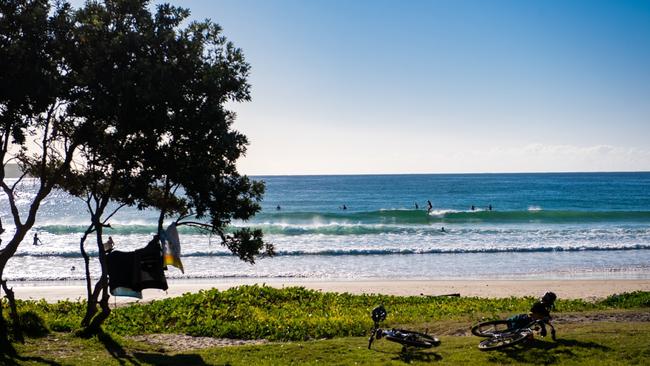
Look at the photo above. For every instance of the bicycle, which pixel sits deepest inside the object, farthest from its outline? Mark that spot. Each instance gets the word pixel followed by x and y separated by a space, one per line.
pixel 407 338
pixel 500 336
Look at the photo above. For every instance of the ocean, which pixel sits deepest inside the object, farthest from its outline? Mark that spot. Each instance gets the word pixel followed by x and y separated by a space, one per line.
pixel 540 226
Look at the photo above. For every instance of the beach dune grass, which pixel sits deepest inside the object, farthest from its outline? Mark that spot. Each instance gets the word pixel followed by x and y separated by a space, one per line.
pixel 299 314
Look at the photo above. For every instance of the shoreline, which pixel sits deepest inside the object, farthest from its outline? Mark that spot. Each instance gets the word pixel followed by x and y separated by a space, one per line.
pixel 565 289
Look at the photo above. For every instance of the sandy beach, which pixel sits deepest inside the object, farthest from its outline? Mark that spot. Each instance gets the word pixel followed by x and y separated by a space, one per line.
pixel 567 289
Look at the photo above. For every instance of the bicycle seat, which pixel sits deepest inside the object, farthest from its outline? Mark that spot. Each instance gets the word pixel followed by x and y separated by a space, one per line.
pixel 378 314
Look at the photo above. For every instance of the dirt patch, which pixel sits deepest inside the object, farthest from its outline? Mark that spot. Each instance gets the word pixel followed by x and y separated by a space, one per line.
pixel 54 344
pixel 603 317
pixel 182 342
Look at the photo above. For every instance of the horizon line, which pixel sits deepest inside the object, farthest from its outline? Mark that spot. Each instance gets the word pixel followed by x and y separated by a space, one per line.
pixel 449 173
pixel 13 165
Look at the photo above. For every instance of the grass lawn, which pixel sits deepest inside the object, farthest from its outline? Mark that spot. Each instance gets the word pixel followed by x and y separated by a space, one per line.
pixel 307 327
pixel 598 343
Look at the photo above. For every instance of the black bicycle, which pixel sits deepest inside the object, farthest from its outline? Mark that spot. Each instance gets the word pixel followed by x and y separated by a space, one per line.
pixel 499 335
pixel 406 338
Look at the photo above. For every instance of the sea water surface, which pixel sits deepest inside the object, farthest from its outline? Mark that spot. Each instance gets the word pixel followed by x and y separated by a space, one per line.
pixel 542 226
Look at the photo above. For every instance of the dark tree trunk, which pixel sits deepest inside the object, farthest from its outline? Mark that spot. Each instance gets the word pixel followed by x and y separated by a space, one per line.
pixel 91 304
pixel 5 254
pixel 4 330
pixel 91 307
pixel 15 319
pixel 94 325
pixel 92 322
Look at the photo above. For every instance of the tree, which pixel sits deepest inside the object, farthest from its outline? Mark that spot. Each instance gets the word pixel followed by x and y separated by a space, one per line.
pixel 33 95
pixel 126 107
pixel 155 95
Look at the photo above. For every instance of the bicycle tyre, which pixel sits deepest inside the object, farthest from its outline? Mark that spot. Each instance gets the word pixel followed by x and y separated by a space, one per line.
pixel 504 340
pixel 488 329
pixel 414 339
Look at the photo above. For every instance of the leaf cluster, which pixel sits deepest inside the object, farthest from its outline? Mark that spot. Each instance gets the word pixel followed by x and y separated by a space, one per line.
pixel 30 79
pixel 163 138
pixel 140 98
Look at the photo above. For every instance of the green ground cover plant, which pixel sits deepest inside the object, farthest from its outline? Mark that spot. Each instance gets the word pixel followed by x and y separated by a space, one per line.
pixel 298 314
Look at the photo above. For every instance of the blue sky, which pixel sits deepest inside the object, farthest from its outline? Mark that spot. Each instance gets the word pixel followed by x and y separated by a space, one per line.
pixel 441 86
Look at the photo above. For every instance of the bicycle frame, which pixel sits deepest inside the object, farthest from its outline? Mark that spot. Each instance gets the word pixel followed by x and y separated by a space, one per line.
pixel 532 326
pixel 538 324
pixel 406 338
pixel 499 339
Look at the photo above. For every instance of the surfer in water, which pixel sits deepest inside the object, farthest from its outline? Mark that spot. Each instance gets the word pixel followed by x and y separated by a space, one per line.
pixel 37 241
pixel 429 206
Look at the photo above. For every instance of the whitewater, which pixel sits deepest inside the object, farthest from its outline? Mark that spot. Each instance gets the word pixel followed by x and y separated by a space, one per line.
pixel 541 226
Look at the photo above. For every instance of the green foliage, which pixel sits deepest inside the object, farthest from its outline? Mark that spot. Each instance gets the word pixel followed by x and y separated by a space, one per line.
pixel 29 79
pixel 32 324
pixel 296 313
pixel 628 300
pixel 62 316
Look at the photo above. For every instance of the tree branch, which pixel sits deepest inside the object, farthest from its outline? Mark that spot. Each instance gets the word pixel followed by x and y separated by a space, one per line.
pixel 12 204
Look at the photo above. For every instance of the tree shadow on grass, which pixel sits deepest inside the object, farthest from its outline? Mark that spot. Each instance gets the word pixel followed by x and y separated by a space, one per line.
pixel 162 359
pixel 11 361
pixel 115 349
pixel 539 352
pixel 10 357
pixel 118 352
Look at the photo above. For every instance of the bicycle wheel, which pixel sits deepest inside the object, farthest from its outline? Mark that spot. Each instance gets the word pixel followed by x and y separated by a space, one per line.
pixel 488 329
pixel 504 340
pixel 413 339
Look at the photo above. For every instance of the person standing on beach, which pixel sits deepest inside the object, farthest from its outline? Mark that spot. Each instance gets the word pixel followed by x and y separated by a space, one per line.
pixel 37 240
pixel 109 244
